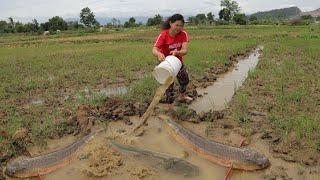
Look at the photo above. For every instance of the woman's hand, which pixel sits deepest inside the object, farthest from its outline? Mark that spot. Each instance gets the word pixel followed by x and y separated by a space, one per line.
pixel 161 57
pixel 157 53
pixel 174 52
pixel 182 52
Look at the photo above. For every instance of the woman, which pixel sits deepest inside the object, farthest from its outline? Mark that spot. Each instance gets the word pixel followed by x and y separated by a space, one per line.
pixel 173 40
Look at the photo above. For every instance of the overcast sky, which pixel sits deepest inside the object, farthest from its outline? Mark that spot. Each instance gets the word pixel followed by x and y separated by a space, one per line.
pixel 126 8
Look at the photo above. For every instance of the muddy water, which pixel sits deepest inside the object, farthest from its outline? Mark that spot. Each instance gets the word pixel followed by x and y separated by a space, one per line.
pixel 279 168
pixel 114 91
pixel 52 145
pixel 157 139
pixel 159 93
pixel 216 96
pixel 90 94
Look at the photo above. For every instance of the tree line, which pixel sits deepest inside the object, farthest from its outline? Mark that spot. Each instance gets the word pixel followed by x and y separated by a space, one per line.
pixel 54 24
pixel 229 14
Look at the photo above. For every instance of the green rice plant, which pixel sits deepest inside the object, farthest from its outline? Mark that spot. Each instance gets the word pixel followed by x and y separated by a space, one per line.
pixel 241 107
pixel 142 91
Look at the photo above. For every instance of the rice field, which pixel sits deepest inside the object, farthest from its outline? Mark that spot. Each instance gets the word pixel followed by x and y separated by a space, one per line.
pixel 42 76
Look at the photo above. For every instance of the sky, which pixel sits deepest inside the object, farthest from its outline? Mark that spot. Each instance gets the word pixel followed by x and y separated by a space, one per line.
pixel 125 8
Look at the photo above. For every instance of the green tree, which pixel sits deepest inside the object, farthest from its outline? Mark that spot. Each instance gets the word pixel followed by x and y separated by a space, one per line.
pixel 73 25
pixel 32 27
pixel 210 17
pixel 232 6
pixel 19 27
pixel 3 26
pixel 201 19
pixel 45 26
pixel 192 20
pixel 306 17
pixel 225 14
pixel 54 24
pixel 253 18
pixel 240 19
pixel 130 23
pixel 35 25
pixel 28 27
pixel 57 23
pixel 150 22
pixel 126 24
pixel 132 20
pixel 109 25
pixel 156 20
pixel 115 22
pixel 11 28
pixel 11 22
pixel 87 17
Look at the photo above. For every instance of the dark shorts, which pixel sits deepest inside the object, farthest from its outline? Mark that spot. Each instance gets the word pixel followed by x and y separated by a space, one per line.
pixel 183 79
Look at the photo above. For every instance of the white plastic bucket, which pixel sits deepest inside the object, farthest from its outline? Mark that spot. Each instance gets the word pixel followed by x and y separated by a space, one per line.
pixel 169 67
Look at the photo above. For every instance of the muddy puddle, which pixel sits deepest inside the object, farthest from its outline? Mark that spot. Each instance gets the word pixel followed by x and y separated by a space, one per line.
pixel 98 160
pixel 279 169
pixel 156 138
pixel 216 96
pixel 114 91
pixel 91 94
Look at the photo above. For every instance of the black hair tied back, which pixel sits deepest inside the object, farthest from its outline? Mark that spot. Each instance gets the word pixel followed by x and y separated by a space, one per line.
pixel 172 19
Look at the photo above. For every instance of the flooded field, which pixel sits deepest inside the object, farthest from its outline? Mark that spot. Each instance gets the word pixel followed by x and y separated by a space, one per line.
pixel 217 96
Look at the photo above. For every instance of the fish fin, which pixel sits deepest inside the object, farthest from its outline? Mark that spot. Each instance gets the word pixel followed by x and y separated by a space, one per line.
pixel 241 142
pixel 48 170
pixel 229 172
pixel 39 177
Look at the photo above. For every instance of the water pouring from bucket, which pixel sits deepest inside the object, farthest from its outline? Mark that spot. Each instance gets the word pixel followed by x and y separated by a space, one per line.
pixel 164 73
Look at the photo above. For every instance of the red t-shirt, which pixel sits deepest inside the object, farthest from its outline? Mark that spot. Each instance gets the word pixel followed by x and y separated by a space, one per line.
pixel 166 43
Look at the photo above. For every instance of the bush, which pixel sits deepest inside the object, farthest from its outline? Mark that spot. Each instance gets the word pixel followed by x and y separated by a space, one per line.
pixel 240 19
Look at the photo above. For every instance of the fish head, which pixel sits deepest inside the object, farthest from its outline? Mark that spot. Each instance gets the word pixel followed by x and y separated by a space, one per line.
pixel 255 160
pixel 181 167
pixel 17 167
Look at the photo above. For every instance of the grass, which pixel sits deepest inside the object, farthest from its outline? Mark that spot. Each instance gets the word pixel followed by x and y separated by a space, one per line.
pixel 58 68
pixel 290 91
pixel 142 90
pixel 241 109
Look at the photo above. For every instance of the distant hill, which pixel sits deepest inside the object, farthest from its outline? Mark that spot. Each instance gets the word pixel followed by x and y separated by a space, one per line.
pixel 315 13
pixel 284 13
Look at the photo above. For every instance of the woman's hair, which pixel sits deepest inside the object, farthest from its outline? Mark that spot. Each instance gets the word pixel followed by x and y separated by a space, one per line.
pixel 176 17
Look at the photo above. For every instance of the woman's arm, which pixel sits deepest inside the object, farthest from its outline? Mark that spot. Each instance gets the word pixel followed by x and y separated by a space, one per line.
pixel 182 52
pixel 156 52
